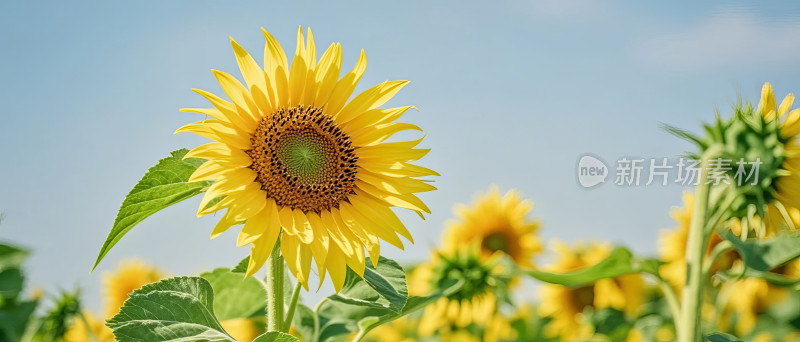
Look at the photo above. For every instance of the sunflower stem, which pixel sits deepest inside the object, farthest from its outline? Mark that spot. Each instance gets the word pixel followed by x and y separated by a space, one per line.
pixel 274 280
pixel 287 323
pixel 692 301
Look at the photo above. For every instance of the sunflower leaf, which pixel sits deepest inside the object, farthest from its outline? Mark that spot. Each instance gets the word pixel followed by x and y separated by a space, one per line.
pixel 174 309
pixel 722 337
pixel 383 287
pixel 163 185
pixel 619 262
pixel 276 336
pixel 236 296
pixel 764 255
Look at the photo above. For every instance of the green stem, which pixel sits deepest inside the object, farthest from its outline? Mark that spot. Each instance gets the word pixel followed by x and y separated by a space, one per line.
pixel 275 289
pixel 316 318
pixel 692 300
pixel 287 323
pixel 672 301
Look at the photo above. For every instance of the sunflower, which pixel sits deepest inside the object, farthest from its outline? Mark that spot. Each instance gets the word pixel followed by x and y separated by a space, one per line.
pixel 751 297
pixel 303 167
pixel 784 209
pixel 400 330
pixel 244 329
pixel 673 245
pixel 87 328
pixel 497 224
pixel 565 305
pixel 130 275
pixel 475 304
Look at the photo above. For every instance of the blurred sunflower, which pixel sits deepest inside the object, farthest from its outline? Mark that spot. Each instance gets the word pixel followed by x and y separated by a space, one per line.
pixel 299 164
pixel 88 328
pixel 245 329
pixel 402 329
pixel 751 297
pixel 130 275
pixel 672 246
pixel 475 303
pixel 566 305
pixel 497 224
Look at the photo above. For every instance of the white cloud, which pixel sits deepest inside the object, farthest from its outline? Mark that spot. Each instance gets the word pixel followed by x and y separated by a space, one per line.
pixel 729 39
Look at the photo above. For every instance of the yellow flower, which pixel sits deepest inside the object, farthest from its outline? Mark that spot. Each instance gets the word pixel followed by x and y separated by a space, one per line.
pixel 565 305
pixel 784 209
pixel 244 329
pixel 673 245
pixel 475 302
pixel 497 224
pixel 130 275
pixel 751 297
pixel 298 163
pixel 88 328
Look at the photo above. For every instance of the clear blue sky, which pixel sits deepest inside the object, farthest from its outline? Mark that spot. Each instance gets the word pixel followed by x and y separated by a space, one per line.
pixel 510 93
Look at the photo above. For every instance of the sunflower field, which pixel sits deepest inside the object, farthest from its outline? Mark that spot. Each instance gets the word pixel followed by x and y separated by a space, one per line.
pixel 314 175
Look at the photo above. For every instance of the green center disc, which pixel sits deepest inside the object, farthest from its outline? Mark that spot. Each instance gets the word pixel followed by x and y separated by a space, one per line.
pixel 305 155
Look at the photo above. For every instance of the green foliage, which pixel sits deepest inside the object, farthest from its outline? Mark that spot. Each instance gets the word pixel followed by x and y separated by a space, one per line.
pixel 163 185
pixel 276 336
pixel 722 337
pixel 766 254
pixel 15 313
pixel 363 304
pixel 175 309
pixel 620 262
pixel 236 296
pixel 57 321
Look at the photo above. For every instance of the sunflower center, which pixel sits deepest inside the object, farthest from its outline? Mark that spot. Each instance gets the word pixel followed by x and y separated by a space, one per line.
pixel 303 160
pixel 496 242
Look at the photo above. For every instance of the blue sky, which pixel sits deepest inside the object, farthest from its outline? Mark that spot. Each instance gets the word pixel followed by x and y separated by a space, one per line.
pixel 510 93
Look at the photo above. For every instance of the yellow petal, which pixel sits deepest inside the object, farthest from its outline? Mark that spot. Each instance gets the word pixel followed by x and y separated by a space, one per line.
pixel 335 264
pixel 228 111
pixel 224 224
pixel 275 67
pixel 786 104
pixel 369 99
pixel 344 88
pixel 261 248
pixel 767 103
pixel 219 131
pixel 379 213
pixel 221 153
pixel 303 228
pixel 375 117
pixel 290 248
pixel 327 72
pixel 376 228
pixel 251 72
pixel 371 135
pixel 407 201
pixel 297 74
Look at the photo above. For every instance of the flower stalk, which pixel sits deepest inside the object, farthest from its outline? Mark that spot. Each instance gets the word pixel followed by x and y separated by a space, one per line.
pixel 692 297
pixel 275 274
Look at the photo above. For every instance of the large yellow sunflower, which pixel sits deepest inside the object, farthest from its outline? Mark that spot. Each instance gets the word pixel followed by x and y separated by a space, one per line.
pixel 497 224
pixel 89 328
pixel 296 162
pixel 130 275
pixel 565 305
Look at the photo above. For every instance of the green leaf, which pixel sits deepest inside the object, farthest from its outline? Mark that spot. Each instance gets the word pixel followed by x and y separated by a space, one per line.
pixel 14 318
pixel 276 336
pixel 619 262
pixel 764 255
pixel 241 267
pixel 163 185
pixel 11 256
pixel 11 281
pixel 383 287
pixel 303 321
pixel 722 337
pixel 772 278
pixel 236 296
pixel 174 309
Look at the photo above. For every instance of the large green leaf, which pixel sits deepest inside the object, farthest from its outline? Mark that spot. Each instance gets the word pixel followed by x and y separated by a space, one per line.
pixel 11 281
pixel 174 309
pixel 11 256
pixel 14 318
pixel 764 255
pixel 236 296
pixel 383 287
pixel 619 262
pixel 163 185
pixel 722 337
pixel 276 336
